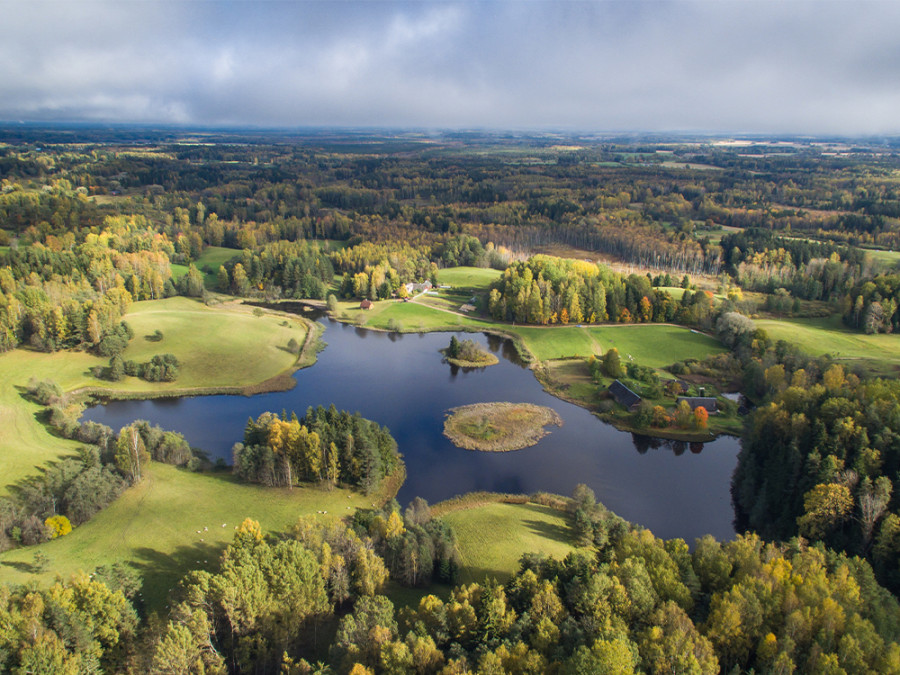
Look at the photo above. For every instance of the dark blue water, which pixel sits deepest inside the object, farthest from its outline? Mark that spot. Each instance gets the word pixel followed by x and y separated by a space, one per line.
pixel 401 382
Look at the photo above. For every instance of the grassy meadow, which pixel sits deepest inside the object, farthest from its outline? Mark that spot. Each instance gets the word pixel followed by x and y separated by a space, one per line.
pixel 153 526
pixel 208 263
pixel 878 353
pixel 492 537
pixel 217 348
pixel 475 278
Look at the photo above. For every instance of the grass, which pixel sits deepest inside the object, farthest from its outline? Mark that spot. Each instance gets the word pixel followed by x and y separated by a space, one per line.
pixel 498 427
pixel 652 345
pixel 153 526
pixel 656 345
pixel 883 261
pixel 475 278
pixel 208 263
pixel 493 537
pixel 234 349
pixel 879 354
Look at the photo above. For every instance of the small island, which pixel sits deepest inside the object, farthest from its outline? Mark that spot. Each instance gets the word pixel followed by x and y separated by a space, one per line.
pixel 468 354
pixel 498 427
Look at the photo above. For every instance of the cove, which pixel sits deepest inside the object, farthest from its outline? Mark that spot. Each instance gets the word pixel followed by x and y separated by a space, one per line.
pixel 400 381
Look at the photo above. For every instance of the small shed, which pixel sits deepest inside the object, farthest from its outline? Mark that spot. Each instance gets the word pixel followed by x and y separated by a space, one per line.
pixel 708 402
pixel 365 304
pixel 623 395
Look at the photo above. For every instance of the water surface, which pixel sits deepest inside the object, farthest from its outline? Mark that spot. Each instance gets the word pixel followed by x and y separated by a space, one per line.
pixel 400 381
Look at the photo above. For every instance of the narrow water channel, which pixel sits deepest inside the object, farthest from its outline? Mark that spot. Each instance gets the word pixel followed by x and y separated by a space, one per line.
pixel 400 381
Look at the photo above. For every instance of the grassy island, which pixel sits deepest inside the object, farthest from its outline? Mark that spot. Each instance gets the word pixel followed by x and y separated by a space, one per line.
pixel 498 427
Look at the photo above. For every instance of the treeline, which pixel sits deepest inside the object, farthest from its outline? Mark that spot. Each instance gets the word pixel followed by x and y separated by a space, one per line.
pixel 548 290
pixel 760 260
pixel 417 548
pixel 822 460
pixel 873 305
pixel 308 601
pixel 54 298
pixel 324 446
pixel 284 269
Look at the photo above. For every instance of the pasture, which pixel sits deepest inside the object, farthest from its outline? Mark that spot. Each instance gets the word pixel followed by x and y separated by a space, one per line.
pixel 493 537
pixel 154 527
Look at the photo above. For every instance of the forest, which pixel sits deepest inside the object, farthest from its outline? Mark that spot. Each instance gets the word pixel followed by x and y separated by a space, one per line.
pixel 731 242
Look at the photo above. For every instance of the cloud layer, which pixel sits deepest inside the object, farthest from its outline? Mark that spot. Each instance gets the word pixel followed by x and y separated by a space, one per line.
pixel 803 67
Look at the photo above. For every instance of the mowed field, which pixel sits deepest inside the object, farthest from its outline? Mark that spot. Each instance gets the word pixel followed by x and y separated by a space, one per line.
pixel 217 348
pixel 651 345
pixel 154 527
pixel 879 353
pixel 493 537
pixel 476 278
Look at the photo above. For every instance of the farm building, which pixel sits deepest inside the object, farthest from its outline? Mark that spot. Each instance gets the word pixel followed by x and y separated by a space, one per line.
pixel 365 304
pixel 623 395
pixel 708 402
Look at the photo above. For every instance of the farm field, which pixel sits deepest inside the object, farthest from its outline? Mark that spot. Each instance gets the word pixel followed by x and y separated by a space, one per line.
pixel 880 353
pixel 153 526
pixel 493 537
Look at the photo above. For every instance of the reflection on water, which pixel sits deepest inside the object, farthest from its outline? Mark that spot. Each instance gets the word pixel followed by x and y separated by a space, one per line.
pixel 403 383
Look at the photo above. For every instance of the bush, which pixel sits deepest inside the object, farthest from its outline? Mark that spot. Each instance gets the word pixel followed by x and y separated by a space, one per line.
pixel 59 526
pixel 44 392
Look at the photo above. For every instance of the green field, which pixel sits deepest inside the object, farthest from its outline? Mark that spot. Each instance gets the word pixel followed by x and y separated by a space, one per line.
pixel 883 261
pixel 654 345
pixel 234 349
pixel 208 263
pixel 154 527
pixel 878 353
pixel 475 278
pixel 492 537
pixel 651 345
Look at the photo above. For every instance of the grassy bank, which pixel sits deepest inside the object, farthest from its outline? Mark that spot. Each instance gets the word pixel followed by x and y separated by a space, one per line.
pixel 154 526
pixel 227 348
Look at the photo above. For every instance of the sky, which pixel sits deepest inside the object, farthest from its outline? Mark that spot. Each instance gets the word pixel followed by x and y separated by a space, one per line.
pixel 729 66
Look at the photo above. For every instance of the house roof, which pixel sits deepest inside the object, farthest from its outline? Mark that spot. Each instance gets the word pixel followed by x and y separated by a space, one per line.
pixel 623 394
pixel 708 402
pixel 365 304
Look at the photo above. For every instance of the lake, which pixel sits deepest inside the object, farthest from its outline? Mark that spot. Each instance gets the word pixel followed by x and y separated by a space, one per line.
pixel 400 381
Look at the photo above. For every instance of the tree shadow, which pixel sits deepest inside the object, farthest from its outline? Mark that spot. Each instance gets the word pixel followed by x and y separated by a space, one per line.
pixel 550 531
pixel 161 572
pixel 27 568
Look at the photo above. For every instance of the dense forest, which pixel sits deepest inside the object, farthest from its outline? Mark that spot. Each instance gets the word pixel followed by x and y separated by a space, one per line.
pixel 326 445
pixel 629 603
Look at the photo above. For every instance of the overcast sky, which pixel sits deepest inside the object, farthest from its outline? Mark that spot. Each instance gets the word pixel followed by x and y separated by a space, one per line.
pixel 724 66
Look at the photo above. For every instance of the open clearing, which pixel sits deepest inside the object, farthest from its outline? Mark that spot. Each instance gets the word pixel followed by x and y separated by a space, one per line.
pixel 476 278
pixel 208 263
pixel 217 348
pixel 493 537
pixel 879 353
pixel 154 527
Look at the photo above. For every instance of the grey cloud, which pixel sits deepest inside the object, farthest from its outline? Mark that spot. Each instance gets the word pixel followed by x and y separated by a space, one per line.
pixel 745 66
